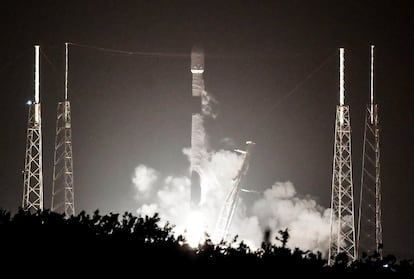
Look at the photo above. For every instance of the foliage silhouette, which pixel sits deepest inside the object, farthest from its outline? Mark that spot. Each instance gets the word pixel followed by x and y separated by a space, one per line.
pixel 117 242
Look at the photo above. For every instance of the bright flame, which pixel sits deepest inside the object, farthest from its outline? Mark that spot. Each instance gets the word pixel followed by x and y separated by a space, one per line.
pixel 195 228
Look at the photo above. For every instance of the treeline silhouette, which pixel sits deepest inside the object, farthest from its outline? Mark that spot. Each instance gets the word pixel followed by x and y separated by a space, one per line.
pixel 114 242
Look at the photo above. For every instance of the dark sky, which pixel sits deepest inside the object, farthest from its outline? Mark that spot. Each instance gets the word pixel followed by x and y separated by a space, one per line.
pixel 271 65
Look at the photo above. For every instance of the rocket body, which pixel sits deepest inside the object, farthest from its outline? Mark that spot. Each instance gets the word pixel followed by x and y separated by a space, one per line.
pixel 197 135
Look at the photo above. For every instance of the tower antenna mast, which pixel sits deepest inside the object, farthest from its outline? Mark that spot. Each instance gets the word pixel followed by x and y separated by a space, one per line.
pixel 369 217
pixel 33 169
pixel 342 235
pixel 63 198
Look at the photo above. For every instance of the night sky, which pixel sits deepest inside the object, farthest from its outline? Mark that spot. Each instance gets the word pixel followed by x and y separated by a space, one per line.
pixel 272 66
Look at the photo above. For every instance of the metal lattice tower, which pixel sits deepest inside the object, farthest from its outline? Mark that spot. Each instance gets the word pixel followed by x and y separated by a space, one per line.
pixel 342 235
pixel 369 218
pixel 62 194
pixel 33 170
pixel 227 212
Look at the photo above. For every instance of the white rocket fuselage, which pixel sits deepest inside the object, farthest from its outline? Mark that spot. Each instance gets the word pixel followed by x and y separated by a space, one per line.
pixel 197 70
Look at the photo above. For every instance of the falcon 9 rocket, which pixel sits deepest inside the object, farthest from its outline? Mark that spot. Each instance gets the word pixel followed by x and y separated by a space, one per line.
pixel 197 141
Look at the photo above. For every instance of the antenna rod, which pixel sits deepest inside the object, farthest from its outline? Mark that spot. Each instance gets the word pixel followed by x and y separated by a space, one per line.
pixel 36 74
pixel 341 77
pixel 372 84
pixel 66 71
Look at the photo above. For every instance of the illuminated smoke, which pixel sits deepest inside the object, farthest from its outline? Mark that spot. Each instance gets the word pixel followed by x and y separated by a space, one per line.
pixel 278 208
pixel 170 199
pixel 170 196
pixel 144 178
pixel 308 223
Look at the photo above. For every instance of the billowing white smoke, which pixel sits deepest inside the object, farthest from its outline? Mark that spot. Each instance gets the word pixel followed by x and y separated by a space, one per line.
pixel 308 223
pixel 278 208
pixel 170 196
pixel 143 179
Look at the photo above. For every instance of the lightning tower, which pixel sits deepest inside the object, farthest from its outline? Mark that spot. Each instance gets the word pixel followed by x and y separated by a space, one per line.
pixel 33 170
pixel 197 142
pixel 342 235
pixel 230 205
pixel 369 217
pixel 62 192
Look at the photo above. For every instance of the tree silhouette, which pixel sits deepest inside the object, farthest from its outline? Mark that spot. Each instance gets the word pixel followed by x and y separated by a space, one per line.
pixel 126 242
pixel 284 236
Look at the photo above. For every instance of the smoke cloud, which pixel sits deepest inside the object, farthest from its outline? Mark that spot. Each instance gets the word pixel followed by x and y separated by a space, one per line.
pixel 308 223
pixel 277 208
pixel 143 179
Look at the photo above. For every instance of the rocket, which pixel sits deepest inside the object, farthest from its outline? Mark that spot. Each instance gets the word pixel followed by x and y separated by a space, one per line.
pixel 197 70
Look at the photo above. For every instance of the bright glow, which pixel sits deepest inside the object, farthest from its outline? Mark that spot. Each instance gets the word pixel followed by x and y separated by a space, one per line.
pixel 249 191
pixel 278 207
pixel 372 84
pixel 195 228
pixel 385 265
pixel 29 102
pixel 341 77
pixel 37 98
pixel 197 71
pixel 240 151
